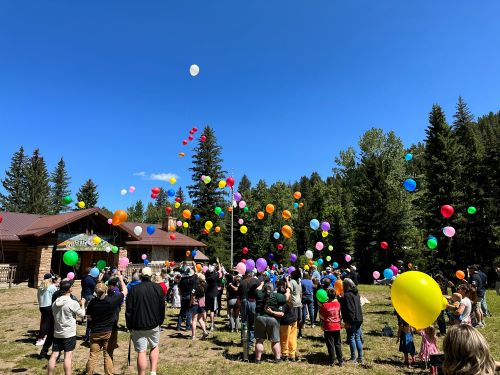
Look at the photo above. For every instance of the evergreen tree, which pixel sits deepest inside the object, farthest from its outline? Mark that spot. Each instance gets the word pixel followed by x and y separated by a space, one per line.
pixel 37 184
pixel 151 215
pixel 161 200
pixel 88 194
pixel 244 185
pixel 15 184
pixel 60 188
pixel 180 194
pixel 136 212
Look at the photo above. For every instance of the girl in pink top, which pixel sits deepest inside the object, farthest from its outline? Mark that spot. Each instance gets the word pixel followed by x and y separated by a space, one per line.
pixel 428 346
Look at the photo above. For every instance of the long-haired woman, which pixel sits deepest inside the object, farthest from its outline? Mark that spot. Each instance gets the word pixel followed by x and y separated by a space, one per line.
pixel 44 295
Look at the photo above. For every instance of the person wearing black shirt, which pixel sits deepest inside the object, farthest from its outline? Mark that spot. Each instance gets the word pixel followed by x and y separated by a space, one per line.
pixel 475 280
pixel 212 277
pixel 484 280
pixel 247 295
pixel 232 283
pixel 186 286
pixel 103 314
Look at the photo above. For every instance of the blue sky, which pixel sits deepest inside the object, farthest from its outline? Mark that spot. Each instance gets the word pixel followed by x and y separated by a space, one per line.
pixel 285 84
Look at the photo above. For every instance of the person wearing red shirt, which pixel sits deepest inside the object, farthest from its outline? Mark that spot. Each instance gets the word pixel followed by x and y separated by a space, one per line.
pixel 330 314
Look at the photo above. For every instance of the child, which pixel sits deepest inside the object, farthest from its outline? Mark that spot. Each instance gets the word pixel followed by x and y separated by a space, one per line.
pixel 330 315
pixel 405 339
pixel 456 298
pixel 428 346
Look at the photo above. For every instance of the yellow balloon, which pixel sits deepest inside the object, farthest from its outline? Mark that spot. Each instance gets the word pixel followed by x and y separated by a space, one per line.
pixel 185 225
pixel 243 229
pixel 324 234
pixel 97 240
pixel 177 205
pixel 306 267
pixel 222 184
pixel 81 204
pixel 173 180
pixel 417 298
pixel 209 225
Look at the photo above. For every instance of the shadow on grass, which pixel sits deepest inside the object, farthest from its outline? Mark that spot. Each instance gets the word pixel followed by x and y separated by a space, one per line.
pixel 19 370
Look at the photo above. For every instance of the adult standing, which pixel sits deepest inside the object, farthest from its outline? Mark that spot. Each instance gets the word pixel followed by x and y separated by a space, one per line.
pixel 295 285
pixel 484 280
pixel 352 315
pixel 232 283
pixel 353 275
pixel 88 286
pixel 476 281
pixel 443 285
pixel 212 276
pixel 44 296
pixel 103 312
pixel 65 310
pixel 307 298
pixel 247 296
pixel 145 312
pixel 186 285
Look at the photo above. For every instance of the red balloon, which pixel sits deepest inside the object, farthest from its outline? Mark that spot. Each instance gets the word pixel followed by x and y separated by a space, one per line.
pixel 154 196
pixel 244 250
pixel 1 219
pixel 191 131
pixel 178 199
pixel 280 246
pixel 172 237
pixel 384 245
pixel 190 137
pixel 230 181
pixel 168 210
pixel 447 211
pixel 172 264
pixel 243 261
pixel 203 138
pixel 155 190
pixel 184 142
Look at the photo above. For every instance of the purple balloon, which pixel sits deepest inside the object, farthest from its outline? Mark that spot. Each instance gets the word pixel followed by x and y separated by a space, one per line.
pixel 293 257
pixel 325 226
pixel 394 269
pixel 237 196
pixel 261 264
pixel 291 269
pixel 250 264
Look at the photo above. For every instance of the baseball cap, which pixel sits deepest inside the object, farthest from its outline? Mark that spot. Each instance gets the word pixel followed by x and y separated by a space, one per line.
pixel 353 267
pixel 65 285
pixel 146 271
pixel 48 276
pixel 328 268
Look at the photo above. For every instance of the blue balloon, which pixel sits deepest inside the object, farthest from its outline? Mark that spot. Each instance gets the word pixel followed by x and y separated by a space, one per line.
pixel 295 205
pixel 193 253
pixel 270 256
pixel 222 214
pixel 150 229
pixel 335 265
pixel 314 223
pixel 171 192
pixel 146 262
pixel 388 273
pixel 408 157
pixel 197 217
pixel 410 184
pixel 276 235
pixel 320 261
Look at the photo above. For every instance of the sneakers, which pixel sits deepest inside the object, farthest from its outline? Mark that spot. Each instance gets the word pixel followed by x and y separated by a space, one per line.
pixel 205 335
pixel 40 342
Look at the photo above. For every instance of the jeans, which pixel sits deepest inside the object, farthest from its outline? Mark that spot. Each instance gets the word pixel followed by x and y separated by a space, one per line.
pixel 354 338
pixel 308 306
pixel 185 313
pixel 107 342
pixel 234 319
pixel 247 313
pixel 87 329
pixel 334 346
pixel 484 306
pixel 45 321
pixel 441 323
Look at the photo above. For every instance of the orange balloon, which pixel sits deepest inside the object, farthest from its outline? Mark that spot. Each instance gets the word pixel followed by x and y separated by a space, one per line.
pixel 188 253
pixel 171 228
pixel 287 231
pixel 198 267
pixel 260 215
pixel 230 209
pixel 460 275
pixel 270 208
pixel 310 262
pixel 301 205
pixel 339 287
pixel 186 214
pixel 286 214
pixel 217 229
pixel 167 263
pixel 119 217
pixel 297 195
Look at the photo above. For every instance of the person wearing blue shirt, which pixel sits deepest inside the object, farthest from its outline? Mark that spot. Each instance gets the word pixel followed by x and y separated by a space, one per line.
pixel 315 273
pixel 307 298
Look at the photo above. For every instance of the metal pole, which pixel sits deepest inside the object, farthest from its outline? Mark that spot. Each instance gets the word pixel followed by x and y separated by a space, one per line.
pixel 232 220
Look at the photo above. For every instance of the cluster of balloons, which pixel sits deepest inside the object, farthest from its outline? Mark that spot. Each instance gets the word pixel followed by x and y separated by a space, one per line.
pixel 190 138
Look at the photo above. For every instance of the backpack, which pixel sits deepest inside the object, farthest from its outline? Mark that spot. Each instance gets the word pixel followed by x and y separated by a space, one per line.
pixel 387 331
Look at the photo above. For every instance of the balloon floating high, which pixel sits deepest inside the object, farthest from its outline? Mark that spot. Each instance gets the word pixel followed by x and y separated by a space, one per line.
pixel 245 250
pixel 123 192
pixel 388 274
pixel 194 70
pixel 297 195
pixel 119 217
pixel 447 211
pixel 325 226
pixel 449 231
pixel 260 215
pixel 293 257
pixel 67 200
pixel 314 224
pixel 81 204
pixel 286 231
pixel 471 210
pixel 432 242
pixel 269 208
pixel 309 254
pixel 261 264
pixel 384 245
pixel 408 157
pixel 410 184
pixel 230 182
pixel 150 229
pixel 138 230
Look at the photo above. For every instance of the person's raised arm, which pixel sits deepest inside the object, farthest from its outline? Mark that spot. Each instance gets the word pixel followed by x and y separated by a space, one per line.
pixel 219 268
pixel 124 287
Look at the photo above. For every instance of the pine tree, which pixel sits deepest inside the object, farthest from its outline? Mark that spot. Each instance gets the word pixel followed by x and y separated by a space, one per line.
pixel 180 194
pixel 60 188
pixel 162 199
pixel 15 184
pixel 37 183
pixel 88 194
pixel 244 186
pixel 151 215
pixel 207 161
pixel 136 212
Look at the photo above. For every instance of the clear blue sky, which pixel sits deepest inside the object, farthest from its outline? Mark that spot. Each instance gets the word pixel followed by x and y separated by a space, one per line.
pixel 285 84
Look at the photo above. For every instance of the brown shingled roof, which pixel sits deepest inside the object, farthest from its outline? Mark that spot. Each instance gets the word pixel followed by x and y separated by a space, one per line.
pixel 161 237
pixel 13 223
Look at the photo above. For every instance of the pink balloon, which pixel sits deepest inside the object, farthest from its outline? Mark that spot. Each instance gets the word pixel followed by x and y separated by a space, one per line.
pixel 204 269
pixel 144 256
pixel 110 221
pixel 123 262
pixel 376 275
pixel 449 231
pixel 70 275
pixel 179 223
pixel 242 204
pixel 131 189
pixel 394 269
pixel 241 268
pixel 240 221
pixel 348 258
pixel 202 177
pixel 319 246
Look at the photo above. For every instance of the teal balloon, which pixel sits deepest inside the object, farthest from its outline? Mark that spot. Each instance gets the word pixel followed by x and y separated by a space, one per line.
pixel 295 205
pixel 388 273
pixel 408 157
pixel 320 261
pixel 335 265
pixel 276 235
pixel 70 258
pixel 314 224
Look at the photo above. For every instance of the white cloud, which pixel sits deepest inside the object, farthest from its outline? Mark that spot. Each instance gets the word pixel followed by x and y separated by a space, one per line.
pixel 140 174
pixel 162 176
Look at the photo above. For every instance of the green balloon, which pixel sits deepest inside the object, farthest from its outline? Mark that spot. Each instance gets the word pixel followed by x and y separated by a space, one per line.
pixel 67 199
pixel 217 210
pixel 321 295
pixel 245 209
pixel 471 210
pixel 70 258
pixel 114 249
pixel 432 243
pixel 100 264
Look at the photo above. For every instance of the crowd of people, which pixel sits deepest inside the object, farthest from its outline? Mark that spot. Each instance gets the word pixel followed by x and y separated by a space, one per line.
pixel 273 305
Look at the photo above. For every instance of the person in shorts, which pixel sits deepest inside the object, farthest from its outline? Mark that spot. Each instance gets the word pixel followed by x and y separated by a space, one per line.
pixel 65 310
pixel 145 312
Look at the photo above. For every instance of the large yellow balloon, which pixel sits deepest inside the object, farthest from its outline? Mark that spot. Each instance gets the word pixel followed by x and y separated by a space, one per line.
pixel 243 229
pixel 417 298
pixel 209 225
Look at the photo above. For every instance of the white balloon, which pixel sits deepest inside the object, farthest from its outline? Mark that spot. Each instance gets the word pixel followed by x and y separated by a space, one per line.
pixel 309 254
pixel 123 191
pixel 107 249
pixel 194 70
pixel 138 230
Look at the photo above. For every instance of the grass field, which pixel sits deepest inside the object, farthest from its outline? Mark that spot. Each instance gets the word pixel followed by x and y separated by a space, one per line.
pixel 220 354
